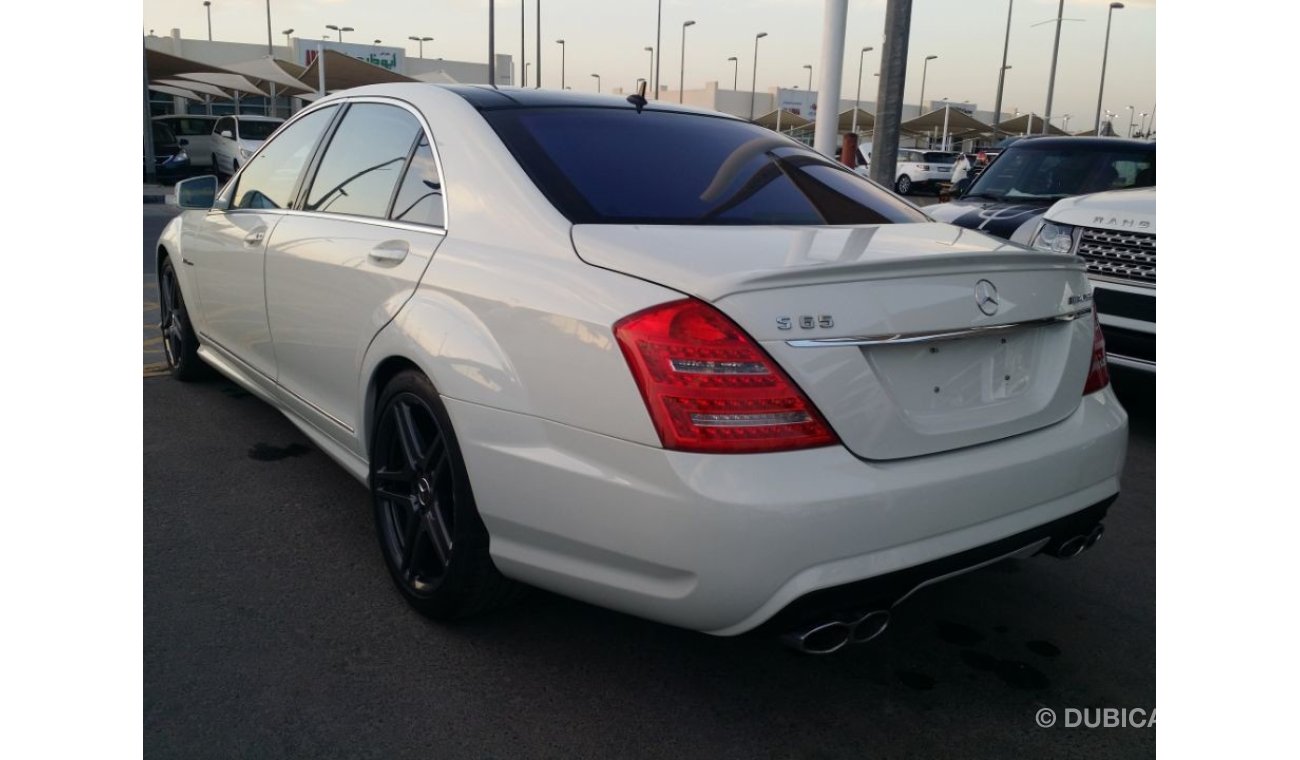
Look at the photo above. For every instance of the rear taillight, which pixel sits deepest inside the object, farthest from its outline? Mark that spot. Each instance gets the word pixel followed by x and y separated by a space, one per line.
pixel 709 387
pixel 1098 374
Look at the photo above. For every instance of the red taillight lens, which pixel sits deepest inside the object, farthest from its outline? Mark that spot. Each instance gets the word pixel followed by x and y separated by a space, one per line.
pixel 1098 374
pixel 709 387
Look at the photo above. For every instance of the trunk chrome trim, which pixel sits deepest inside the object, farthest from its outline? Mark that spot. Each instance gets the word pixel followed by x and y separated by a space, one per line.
pixel 931 337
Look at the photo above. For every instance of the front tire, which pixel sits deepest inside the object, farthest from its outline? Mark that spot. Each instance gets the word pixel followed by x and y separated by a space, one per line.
pixel 180 343
pixel 433 540
pixel 903 185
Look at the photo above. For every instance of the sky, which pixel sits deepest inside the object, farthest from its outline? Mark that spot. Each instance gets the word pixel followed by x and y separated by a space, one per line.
pixel 609 38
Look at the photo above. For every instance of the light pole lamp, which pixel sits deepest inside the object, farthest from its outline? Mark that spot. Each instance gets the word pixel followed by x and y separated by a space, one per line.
pixel 681 83
pixel 857 100
pixel 1105 51
pixel 288 41
pixel 207 5
pixel 650 49
pixel 378 42
pixel 340 30
pixel 735 72
pixel 597 76
pixel 421 41
pixel 753 86
pixel 924 69
pixel 561 44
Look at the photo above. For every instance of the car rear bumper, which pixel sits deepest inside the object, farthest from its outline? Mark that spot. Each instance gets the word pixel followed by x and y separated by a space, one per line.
pixel 722 543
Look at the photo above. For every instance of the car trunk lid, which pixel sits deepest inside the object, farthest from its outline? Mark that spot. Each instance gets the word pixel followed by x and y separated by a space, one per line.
pixel 880 325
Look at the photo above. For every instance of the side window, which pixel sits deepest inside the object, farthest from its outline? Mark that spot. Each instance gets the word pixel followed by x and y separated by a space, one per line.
pixel 268 182
pixel 223 125
pixel 363 162
pixel 419 200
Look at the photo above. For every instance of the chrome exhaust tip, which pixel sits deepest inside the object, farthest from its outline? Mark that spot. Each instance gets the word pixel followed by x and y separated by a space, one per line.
pixel 1072 547
pixel 823 638
pixel 870 626
pixel 1095 535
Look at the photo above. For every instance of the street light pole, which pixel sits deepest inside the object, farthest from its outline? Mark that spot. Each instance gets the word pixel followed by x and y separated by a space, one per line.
pixel 1002 72
pixel 421 41
pixel 735 72
pixel 562 56
pixel 924 70
pixel 1129 133
pixel 659 44
pixel 809 67
pixel 597 76
pixel 207 4
pixel 340 30
pixel 1105 51
pixel 1051 79
pixel 537 20
pixel 523 46
pixel 681 83
pixel 753 86
pixel 270 46
pixel 288 42
pixel 857 101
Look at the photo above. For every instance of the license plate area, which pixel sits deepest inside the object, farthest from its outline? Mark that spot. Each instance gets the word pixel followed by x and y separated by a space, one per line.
pixel 939 378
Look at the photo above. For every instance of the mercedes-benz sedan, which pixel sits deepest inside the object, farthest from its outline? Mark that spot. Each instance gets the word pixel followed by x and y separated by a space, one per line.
pixel 657 359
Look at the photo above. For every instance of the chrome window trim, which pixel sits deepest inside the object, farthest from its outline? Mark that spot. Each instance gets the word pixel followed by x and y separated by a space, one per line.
pixel 933 337
pixel 383 100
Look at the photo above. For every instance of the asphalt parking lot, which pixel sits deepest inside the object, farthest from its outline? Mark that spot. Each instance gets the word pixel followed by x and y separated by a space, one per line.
pixel 272 630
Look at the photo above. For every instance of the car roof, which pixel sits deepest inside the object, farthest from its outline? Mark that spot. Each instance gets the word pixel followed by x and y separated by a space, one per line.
pixel 1078 143
pixel 486 98
pixel 250 117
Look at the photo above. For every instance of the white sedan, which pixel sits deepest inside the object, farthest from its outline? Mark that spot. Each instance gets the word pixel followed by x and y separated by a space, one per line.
pixel 661 360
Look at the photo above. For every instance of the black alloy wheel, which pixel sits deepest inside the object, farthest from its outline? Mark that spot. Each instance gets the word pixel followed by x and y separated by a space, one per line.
pixel 433 540
pixel 904 185
pixel 180 344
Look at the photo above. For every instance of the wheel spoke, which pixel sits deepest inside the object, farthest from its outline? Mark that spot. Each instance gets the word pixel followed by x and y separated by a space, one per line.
pixel 436 462
pixel 411 544
pixel 439 534
pixel 393 493
pixel 408 435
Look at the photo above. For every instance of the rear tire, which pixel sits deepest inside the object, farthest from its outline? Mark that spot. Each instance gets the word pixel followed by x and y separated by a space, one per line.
pixel 433 541
pixel 903 185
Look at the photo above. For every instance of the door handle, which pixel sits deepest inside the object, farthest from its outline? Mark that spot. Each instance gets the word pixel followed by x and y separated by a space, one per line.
pixel 254 237
pixel 390 251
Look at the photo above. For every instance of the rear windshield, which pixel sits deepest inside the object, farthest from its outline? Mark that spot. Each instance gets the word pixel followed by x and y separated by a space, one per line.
pixel 256 130
pixel 935 157
pixel 612 165
pixel 1047 172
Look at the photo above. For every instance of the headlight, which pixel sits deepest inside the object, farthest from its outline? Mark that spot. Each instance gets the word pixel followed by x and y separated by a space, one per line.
pixel 245 152
pixel 1054 238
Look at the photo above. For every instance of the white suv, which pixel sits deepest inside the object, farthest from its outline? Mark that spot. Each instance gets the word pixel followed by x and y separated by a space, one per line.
pixel 922 169
pixel 236 138
pixel 1115 233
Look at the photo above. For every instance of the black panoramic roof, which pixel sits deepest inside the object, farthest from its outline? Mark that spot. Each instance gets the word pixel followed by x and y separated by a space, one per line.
pixel 486 98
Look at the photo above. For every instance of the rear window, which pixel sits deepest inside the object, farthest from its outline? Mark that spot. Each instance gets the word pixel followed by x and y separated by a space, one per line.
pixel 611 165
pixel 935 157
pixel 256 130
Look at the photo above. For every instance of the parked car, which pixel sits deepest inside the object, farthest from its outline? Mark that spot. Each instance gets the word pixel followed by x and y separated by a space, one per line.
pixel 170 158
pixel 1115 233
pixel 1008 198
pixel 727 387
pixel 236 138
pixel 196 130
pixel 922 169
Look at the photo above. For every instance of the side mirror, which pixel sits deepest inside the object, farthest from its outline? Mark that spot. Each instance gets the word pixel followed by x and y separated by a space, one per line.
pixel 197 192
pixel 226 133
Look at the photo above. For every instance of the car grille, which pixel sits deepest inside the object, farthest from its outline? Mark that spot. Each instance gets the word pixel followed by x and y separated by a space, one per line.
pixel 1121 255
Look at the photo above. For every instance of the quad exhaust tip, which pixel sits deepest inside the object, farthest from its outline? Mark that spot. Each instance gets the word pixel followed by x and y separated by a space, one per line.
pixel 830 636
pixel 1076 545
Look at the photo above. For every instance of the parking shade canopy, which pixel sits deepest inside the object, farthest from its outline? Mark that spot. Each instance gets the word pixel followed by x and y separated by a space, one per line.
pixel 789 120
pixel 194 87
pixel 226 81
pixel 958 122
pixel 1028 124
pixel 267 70
pixel 866 121
pixel 175 91
pixel 342 71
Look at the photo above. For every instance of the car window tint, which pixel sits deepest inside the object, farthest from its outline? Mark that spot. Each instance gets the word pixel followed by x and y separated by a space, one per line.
pixel 614 165
pixel 226 125
pixel 420 198
pixel 250 129
pixel 1058 171
pixel 268 182
pixel 364 159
